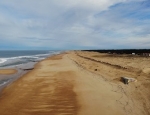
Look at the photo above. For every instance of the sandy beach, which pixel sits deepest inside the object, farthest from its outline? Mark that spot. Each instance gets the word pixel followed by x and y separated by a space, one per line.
pixel 80 83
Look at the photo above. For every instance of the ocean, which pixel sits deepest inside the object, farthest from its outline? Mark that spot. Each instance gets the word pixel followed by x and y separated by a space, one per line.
pixel 14 58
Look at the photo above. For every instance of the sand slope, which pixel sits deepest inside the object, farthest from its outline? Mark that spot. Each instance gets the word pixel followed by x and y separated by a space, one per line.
pixel 64 85
pixel 135 98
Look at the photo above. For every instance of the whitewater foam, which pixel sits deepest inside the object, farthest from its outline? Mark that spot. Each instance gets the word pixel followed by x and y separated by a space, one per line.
pixel 3 82
pixel 2 60
pixel 13 61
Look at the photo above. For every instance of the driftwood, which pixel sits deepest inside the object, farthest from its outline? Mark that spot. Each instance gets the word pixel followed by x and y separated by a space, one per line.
pixel 126 80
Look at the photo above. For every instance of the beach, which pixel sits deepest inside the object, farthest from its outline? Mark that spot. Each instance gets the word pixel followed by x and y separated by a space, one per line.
pixel 80 83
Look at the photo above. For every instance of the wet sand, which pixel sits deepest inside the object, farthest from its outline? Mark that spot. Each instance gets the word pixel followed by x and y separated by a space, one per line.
pixel 7 71
pixel 74 83
pixel 9 74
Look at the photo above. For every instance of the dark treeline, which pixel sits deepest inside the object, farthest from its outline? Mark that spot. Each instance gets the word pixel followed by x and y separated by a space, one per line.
pixel 123 51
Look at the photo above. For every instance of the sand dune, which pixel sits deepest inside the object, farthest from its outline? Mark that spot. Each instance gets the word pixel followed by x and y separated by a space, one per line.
pixel 78 83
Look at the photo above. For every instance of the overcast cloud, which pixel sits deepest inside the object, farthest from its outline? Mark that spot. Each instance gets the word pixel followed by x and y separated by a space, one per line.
pixel 74 24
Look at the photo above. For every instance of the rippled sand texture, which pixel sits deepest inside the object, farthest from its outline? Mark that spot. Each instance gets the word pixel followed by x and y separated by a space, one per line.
pixel 44 91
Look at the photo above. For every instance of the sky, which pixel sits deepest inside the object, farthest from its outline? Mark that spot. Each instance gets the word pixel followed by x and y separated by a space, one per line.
pixel 74 24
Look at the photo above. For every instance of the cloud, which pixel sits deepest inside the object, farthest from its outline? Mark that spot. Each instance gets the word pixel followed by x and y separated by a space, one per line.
pixel 79 24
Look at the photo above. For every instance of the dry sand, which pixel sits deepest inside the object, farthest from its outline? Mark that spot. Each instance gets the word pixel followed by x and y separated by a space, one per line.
pixel 80 83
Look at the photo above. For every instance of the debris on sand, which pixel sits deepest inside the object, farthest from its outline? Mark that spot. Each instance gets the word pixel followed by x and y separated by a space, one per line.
pixel 126 80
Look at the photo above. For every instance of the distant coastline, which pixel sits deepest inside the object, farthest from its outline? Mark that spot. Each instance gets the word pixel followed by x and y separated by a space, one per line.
pixel 123 51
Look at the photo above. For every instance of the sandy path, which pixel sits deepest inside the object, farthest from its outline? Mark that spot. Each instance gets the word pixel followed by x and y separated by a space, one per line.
pixel 59 86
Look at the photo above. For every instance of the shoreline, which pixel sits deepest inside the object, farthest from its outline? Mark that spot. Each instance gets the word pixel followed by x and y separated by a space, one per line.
pixel 21 70
pixel 69 84
pixel 7 79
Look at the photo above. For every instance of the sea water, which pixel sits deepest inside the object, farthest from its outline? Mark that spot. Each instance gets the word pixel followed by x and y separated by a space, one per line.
pixel 14 58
